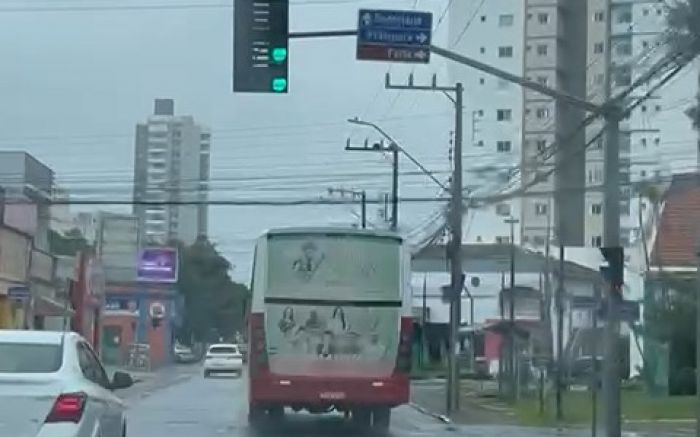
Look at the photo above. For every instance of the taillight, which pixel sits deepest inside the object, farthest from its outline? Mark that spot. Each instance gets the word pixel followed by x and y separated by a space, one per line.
pixel 404 358
pixel 257 355
pixel 68 407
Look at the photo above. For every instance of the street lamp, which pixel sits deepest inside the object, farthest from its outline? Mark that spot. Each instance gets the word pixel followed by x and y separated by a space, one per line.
pixel 511 310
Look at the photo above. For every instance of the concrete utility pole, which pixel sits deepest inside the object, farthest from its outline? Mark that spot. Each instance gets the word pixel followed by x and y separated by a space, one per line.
pixel 512 361
pixel 455 224
pixel 394 147
pixel 379 147
pixel 611 238
pixel 362 195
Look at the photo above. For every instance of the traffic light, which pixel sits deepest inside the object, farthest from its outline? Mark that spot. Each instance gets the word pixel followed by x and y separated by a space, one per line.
pixel 615 257
pixel 261 46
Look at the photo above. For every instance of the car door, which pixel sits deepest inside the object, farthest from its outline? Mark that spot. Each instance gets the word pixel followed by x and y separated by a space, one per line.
pixel 110 407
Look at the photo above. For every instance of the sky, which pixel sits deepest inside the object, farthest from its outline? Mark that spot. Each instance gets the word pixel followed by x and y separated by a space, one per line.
pixel 74 83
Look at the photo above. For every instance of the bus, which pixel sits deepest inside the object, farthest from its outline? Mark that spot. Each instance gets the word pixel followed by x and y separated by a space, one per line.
pixel 330 324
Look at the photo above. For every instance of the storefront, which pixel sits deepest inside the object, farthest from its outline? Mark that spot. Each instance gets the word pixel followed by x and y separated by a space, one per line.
pixel 51 309
pixel 15 249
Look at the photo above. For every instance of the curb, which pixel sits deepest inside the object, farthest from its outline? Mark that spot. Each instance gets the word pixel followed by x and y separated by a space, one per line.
pixel 441 417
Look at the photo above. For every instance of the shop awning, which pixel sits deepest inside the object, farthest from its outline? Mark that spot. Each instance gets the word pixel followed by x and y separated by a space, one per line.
pixel 47 307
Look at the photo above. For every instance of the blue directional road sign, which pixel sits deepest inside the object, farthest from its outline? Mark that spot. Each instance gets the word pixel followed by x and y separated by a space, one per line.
pixel 20 293
pixel 396 36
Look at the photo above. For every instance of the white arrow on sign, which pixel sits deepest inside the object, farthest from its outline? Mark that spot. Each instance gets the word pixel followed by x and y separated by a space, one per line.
pixel 422 38
pixel 420 54
pixel 367 19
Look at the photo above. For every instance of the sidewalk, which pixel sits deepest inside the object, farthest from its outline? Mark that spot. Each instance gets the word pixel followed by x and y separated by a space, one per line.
pixel 478 404
pixel 147 382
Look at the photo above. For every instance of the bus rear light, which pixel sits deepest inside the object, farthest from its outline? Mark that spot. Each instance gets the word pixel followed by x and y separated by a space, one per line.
pixel 285 382
pixel 378 384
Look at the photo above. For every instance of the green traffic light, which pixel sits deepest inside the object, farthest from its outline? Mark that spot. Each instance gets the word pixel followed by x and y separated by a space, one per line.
pixel 279 54
pixel 279 84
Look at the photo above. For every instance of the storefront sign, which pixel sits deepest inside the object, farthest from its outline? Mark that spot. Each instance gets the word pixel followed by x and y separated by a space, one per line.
pixel 19 293
pixel 121 305
pixel 158 264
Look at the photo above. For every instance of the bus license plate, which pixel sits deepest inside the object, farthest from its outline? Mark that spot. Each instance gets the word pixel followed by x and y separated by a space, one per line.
pixel 332 395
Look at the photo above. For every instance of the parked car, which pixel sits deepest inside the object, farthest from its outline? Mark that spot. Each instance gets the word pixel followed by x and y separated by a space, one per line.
pixel 184 354
pixel 223 358
pixel 53 384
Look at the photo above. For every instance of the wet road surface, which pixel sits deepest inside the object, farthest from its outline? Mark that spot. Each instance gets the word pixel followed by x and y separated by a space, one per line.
pixel 188 405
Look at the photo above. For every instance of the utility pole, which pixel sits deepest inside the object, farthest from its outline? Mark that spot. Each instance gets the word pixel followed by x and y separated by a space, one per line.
pixel 455 224
pixel 356 194
pixel 560 332
pixel 512 362
pixel 611 238
pixel 394 148
pixel 381 148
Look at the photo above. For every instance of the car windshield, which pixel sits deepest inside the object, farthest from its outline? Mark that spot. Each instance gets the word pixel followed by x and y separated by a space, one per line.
pixel 222 350
pixel 30 358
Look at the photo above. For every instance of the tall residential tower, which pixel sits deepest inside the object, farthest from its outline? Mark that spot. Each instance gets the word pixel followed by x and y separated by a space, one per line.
pixel 172 166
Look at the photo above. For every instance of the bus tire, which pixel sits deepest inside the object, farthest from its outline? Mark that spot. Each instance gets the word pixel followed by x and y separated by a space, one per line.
pixel 381 419
pixel 256 416
pixel 361 418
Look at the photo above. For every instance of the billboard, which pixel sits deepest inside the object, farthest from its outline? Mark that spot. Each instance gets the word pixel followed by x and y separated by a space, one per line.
pixel 158 264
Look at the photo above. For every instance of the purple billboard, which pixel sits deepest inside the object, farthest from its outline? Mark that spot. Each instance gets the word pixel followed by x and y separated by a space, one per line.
pixel 158 264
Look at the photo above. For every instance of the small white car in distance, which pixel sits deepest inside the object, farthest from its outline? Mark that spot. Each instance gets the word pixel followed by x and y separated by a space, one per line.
pixel 223 358
pixel 53 385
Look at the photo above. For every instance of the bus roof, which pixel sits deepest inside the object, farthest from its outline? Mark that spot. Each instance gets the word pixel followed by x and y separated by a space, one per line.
pixel 333 231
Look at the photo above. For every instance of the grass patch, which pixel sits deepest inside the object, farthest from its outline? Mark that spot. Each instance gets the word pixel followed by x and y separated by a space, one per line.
pixel 636 405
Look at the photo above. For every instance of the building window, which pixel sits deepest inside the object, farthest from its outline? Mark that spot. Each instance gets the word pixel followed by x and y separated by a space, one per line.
pixel 598 47
pixel 542 49
pixel 505 52
pixel 543 18
pixel 503 209
pixel 599 79
pixel 599 16
pixel 482 81
pixel 542 80
pixel 597 241
pixel 504 115
pixel 625 16
pixel 505 20
pixel 623 75
pixel 503 146
pixel 538 240
pixel 542 113
pixel 482 50
pixel 541 208
pixel 657 141
pixel 596 209
pixel 541 146
pixel 624 49
pixel 644 142
pixel 480 143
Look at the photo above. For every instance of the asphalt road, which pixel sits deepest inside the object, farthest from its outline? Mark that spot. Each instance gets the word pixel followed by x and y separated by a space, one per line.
pixel 187 405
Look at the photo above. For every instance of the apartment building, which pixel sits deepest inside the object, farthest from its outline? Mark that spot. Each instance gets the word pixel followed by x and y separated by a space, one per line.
pixel 657 139
pixel 171 165
pixel 491 32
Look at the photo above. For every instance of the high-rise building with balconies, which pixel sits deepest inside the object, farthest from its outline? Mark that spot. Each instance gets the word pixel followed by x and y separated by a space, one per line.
pixel 171 170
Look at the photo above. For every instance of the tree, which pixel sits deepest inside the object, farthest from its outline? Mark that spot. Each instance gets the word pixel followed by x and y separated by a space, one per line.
pixel 214 303
pixel 68 244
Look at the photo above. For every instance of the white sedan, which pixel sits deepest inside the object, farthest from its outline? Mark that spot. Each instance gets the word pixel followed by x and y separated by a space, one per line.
pixel 223 358
pixel 53 385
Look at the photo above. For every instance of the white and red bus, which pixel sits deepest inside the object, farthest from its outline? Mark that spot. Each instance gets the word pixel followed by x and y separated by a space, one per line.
pixel 330 324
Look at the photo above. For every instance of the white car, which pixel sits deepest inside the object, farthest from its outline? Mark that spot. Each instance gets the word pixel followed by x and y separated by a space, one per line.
pixel 53 385
pixel 223 358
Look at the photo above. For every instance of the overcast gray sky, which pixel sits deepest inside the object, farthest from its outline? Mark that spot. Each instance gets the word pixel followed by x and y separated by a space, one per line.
pixel 74 83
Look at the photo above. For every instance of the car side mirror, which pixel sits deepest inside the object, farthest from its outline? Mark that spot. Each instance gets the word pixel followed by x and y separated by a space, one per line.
pixel 121 380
